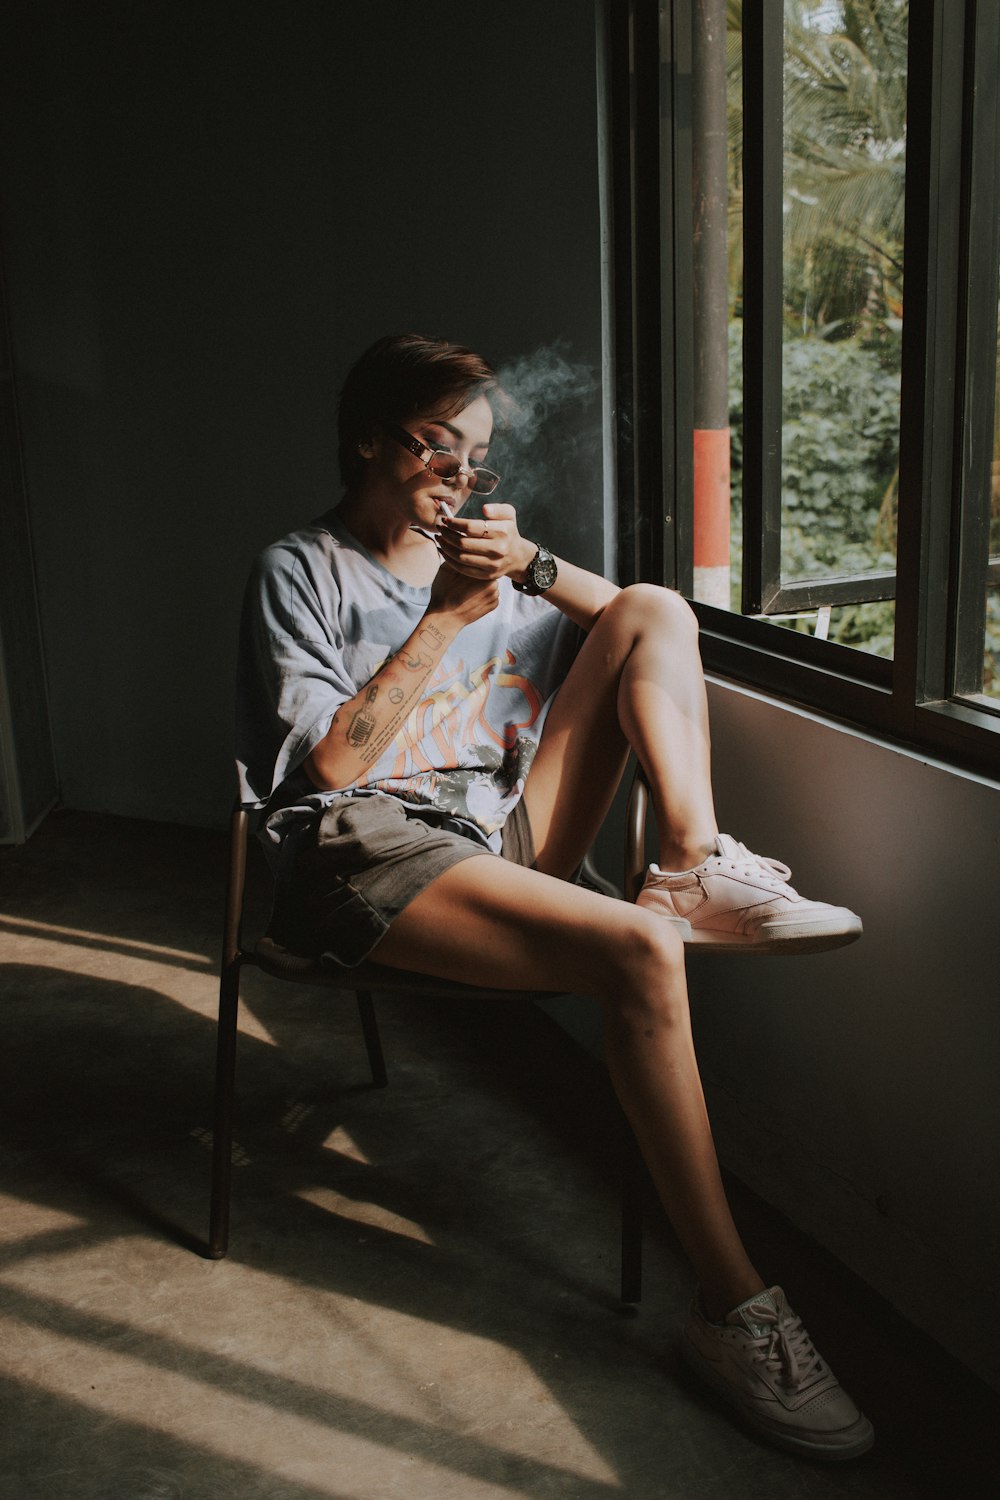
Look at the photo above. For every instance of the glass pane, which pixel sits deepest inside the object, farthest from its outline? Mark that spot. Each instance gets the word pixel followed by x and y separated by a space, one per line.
pixel 844 178
pixel 977 626
pixel 844 175
pixel 717 128
pixel 991 643
pixel 717 257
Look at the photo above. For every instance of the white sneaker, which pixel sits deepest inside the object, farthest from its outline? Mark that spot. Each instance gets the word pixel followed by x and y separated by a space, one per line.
pixel 737 902
pixel 763 1362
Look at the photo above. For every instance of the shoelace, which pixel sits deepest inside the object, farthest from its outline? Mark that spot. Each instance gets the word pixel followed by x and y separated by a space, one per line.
pixel 787 1350
pixel 754 866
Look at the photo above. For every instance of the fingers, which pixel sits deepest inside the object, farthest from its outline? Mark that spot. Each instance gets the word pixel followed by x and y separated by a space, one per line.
pixel 479 548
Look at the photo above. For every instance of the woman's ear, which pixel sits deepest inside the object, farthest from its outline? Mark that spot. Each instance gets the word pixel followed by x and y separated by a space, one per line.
pixel 366 448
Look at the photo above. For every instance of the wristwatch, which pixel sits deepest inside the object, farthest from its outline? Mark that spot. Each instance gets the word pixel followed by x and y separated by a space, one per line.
pixel 541 573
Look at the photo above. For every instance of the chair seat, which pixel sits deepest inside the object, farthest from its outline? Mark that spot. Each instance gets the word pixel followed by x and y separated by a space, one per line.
pixel 281 963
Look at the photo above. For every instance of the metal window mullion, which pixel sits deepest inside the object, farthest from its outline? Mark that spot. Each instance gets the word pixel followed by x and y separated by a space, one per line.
pixel 676 232
pixel 651 523
pixel 634 87
pixel 930 321
pixel 618 79
pixel 763 293
pixel 971 529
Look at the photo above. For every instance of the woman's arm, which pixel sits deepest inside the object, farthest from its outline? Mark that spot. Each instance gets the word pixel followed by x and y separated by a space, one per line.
pixel 365 726
pixel 579 594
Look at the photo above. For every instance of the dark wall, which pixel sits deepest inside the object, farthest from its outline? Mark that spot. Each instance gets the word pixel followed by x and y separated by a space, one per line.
pixel 209 210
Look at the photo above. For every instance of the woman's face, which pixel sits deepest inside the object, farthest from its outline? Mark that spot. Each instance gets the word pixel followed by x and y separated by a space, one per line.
pixel 466 435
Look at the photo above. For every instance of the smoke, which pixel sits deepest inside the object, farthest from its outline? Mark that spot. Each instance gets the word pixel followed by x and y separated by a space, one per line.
pixel 540 384
pixel 547 444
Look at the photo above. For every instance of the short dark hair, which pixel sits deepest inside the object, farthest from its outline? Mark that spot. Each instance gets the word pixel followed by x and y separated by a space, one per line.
pixel 403 376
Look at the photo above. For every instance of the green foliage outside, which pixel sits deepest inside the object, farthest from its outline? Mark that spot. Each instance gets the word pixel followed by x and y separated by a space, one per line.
pixel 841 408
pixel 844 174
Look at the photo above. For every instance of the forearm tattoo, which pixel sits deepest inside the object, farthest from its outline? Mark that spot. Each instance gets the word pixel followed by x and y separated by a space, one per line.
pixel 413 661
pixel 417 659
pixel 359 731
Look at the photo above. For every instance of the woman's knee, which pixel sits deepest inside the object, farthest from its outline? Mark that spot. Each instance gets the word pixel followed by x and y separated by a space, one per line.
pixel 648 606
pixel 645 978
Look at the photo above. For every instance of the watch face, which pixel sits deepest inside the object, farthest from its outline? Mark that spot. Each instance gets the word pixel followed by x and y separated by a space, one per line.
pixel 544 571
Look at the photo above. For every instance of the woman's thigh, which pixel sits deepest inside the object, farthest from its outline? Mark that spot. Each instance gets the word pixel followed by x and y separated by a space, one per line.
pixel 581 755
pixel 496 924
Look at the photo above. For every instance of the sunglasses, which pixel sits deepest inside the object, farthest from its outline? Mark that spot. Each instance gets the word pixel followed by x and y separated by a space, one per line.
pixel 446 465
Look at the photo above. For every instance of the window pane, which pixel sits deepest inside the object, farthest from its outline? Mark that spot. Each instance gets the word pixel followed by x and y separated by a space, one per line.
pixel 991 563
pixel 844 70
pixel 991 653
pixel 844 177
pixel 717 254
pixel 976 627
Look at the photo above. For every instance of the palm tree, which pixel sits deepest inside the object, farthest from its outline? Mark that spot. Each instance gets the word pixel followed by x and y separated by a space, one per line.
pixel 844 159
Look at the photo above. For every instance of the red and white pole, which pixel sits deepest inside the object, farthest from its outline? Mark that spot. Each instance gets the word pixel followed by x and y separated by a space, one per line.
pixel 711 515
pixel 710 256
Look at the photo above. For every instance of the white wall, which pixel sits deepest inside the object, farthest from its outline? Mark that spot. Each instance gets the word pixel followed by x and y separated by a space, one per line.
pixel 857 1090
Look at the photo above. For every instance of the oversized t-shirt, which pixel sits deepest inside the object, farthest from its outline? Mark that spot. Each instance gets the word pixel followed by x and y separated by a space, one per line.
pixel 321 616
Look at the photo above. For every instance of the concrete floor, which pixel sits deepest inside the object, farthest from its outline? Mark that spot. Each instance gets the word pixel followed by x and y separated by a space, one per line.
pixel 420 1297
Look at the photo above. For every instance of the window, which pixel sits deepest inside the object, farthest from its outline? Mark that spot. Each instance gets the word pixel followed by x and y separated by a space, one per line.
pixel 806 278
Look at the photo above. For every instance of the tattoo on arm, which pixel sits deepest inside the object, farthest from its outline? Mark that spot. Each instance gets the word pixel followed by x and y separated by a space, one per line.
pixel 363 731
pixel 359 730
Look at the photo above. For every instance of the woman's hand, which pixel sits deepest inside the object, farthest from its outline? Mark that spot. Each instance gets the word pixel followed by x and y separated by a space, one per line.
pixel 462 596
pixel 488 549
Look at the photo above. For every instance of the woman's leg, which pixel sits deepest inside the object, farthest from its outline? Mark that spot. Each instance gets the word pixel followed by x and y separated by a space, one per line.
pixel 637 681
pixel 486 921
pixel 494 923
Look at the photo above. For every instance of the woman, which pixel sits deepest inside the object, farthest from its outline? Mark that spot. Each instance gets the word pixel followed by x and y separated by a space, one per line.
pixel 435 713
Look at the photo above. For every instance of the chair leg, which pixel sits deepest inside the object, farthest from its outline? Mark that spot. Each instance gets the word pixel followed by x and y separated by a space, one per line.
pixel 222 1131
pixel 633 1192
pixel 373 1041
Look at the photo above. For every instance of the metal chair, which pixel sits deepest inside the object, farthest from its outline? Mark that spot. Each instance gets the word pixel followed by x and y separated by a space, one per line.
pixel 366 978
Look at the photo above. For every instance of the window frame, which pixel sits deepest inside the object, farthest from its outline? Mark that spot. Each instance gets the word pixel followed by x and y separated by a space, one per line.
pixel 951 255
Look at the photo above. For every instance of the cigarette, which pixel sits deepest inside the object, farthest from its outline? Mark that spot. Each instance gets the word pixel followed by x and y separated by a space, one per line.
pixel 445 508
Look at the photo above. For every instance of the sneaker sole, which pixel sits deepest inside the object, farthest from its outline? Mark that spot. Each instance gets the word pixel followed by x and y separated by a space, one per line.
pixel 781 1438
pixel 795 940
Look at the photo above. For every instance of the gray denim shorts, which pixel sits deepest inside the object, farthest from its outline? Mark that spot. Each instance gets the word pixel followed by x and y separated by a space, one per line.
pixel 361 864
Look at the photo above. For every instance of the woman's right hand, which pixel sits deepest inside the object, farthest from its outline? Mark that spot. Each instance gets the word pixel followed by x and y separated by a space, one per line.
pixel 465 599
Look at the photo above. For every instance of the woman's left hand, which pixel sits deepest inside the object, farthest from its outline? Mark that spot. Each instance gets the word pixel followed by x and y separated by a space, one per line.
pixel 486 549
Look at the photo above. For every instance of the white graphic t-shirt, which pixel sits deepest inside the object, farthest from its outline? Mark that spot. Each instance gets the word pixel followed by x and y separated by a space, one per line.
pixel 321 616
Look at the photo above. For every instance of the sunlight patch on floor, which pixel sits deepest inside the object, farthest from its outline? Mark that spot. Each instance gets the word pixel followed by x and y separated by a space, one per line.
pixel 21 1219
pixel 372 1214
pixel 344 1144
pixel 28 927
pixel 425 1426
